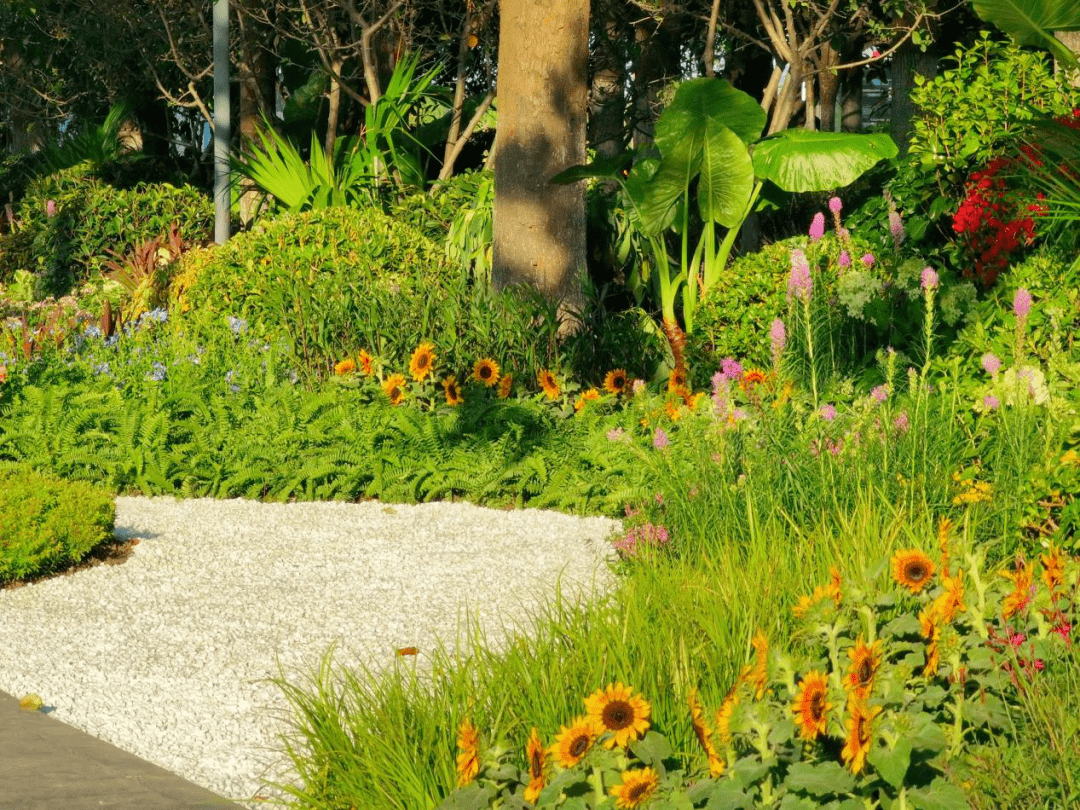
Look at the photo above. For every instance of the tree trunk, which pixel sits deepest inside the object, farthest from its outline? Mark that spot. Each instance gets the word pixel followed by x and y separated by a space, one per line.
pixel 908 61
pixel 607 94
pixel 256 76
pixel 1072 42
pixel 656 67
pixel 538 229
pixel 851 100
pixel 828 87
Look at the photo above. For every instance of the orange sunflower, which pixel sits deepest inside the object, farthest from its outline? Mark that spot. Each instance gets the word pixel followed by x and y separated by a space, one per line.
pixel 573 742
pixel 615 381
pixel 537 756
pixel 751 378
pixel 367 363
pixel 759 675
pixel 930 625
pixel 548 383
pixel 394 386
pixel 912 569
pixel 617 711
pixel 859 736
pixel 865 662
pixel 1022 580
pixel 468 760
pixel 1053 573
pixel 345 366
pixel 638 786
pixel 677 379
pixel 726 710
pixel 453 391
pixel 589 396
pixel 951 600
pixel 704 735
pixel 506 384
pixel 422 361
pixel 486 371
pixel 811 706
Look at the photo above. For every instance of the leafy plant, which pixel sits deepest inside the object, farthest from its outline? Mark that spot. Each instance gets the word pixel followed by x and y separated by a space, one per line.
pixel 1034 23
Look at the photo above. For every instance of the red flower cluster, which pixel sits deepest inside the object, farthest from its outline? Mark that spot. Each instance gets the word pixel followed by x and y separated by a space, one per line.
pixel 989 223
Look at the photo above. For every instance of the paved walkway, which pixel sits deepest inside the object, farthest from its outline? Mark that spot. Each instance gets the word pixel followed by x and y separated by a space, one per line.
pixel 48 765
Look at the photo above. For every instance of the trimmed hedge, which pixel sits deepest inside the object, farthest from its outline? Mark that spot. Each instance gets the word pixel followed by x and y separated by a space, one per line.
pixel 47 523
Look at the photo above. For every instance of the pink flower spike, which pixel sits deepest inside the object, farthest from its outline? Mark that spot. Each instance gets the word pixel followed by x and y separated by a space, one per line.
pixel 817 227
pixel 778 336
pixel 880 394
pixel 929 279
pixel 799 284
pixel 827 412
pixel 990 363
pixel 991 403
pixel 845 260
pixel 1022 305
pixel 660 439
pixel 836 205
pixel 868 259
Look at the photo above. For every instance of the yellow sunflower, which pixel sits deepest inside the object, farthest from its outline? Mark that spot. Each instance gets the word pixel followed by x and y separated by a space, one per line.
pixel 537 756
pixel 859 737
pixel 704 735
pixel 912 569
pixel 1022 580
pixel 726 710
pixel 1053 569
pixel 751 378
pixel 367 362
pixel 573 742
pixel 346 366
pixel 615 381
pixel 422 361
pixel 589 396
pixel 638 786
pixel 677 379
pixel 394 386
pixel 811 706
pixel 759 676
pixel 453 391
pixel 951 600
pixel 486 371
pixel 468 760
pixel 506 384
pixel 614 709
pixel 930 625
pixel 548 383
pixel 865 662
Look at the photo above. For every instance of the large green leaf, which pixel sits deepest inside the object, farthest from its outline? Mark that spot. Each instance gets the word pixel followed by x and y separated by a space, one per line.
pixel 699 101
pixel 655 198
pixel 727 176
pixel 801 160
pixel 1033 22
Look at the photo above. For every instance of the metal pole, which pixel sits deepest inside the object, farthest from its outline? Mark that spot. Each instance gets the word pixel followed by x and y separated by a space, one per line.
pixel 222 122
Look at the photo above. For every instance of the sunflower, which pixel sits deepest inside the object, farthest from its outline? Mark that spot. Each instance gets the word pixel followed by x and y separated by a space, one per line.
pixel 346 366
pixel 812 706
pixel 367 363
pixel 1020 596
pixel 751 378
pixel 486 371
pixel 759 675
pixel 673 410
pixel 912 569
pixel 589 396
pixel 726 710
pixel 537 756
pixel 615 381
pixel 930 625
pixel 394 386
pixel 1053 569
pixel 704 735
pixel 858 733
pixel 453 391
pixel 548 382
pixel 505 386
pixel 677 379
pixel 574 741
pixel 468 761
pixel 638 786
pixel 422 362
pixel 865 662
pixel 614 709
pixel 951 600
pixel 832 591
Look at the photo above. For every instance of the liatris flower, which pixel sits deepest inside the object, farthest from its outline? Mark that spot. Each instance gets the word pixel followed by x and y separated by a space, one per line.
pixel 637 387
pixel 896 229
pixel 827 412
pixel 50 208
pixel 1021 305
pixel 836 205
pixel 901 423
pixel 660 439
pixel 799 284
pixel 845 260
pixel 817 227
pixel 649 534
pixel 730 368
pixel 868 259
pixel 929 279
pixel 991 364
pixel 615 434
pixel 778 337
pixel 880 394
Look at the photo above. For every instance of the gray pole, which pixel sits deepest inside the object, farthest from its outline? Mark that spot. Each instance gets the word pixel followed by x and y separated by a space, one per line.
pixel 222 121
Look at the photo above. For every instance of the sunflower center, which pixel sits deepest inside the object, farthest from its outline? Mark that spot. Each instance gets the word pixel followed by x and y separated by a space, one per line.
pixel 865 672
pixel 485 372
pixel 817 705
pixel 536 766
pixel 637 791
pixel 421 361
pixel 618 715
pixel 916 571
pixel 579 746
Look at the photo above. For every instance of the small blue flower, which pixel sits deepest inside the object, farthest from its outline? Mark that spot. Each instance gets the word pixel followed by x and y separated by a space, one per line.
pixel 102 368
pixel 230 376
pixel 237 325
pixel 160 315
pixel 111 340
pixel 92 331
pixel 157 373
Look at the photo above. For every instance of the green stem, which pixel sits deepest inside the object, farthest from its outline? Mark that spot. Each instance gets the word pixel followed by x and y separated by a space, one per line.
pixel 810 350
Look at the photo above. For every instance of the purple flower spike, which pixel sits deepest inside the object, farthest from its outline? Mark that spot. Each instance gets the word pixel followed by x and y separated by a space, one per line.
pixel 991 403
pixel 827 412
pixel 660 439
pixel 1022 305
pixel 836 205
pixel 845 260
pixel 799 283
pixel 880 394
pixel 990 363
pixel 929 279
pixel 868 259
pixel 50 208
pixel 778 336
pixel 730 368
pixel 896 229
pixel 817 227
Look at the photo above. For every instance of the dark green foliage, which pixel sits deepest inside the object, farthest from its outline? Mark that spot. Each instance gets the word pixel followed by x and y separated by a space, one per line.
pixel 92 218
pixel 46 522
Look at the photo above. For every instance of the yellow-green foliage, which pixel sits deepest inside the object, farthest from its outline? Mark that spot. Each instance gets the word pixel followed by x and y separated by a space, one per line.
pixel 47 523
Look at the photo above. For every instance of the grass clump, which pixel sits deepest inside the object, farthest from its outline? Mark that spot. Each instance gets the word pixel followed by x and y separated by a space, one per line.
pixel 47 523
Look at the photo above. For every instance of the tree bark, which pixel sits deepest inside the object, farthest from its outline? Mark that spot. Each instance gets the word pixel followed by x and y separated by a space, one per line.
pixel 908 61
pixel 256 76
pixel 656 67
pixel 851 100
pixel 538 229
pixel 828 87
pixel 1072 42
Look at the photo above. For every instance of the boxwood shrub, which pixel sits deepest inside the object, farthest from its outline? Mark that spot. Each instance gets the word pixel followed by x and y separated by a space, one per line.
pixel 47 523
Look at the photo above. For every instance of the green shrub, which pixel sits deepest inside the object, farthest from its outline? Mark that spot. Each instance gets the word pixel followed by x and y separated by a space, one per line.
pixel 91 218
pixel 47 523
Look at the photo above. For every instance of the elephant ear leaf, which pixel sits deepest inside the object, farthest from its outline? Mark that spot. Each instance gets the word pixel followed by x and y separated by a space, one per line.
pixel 727 177
pixel 800 160
pixel 1033 22
pixel 699 103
